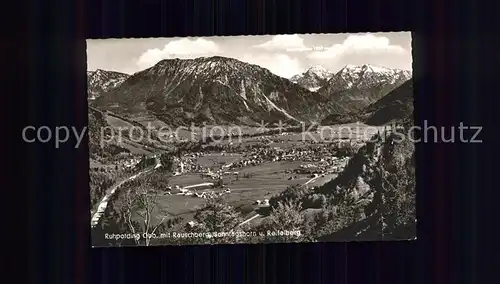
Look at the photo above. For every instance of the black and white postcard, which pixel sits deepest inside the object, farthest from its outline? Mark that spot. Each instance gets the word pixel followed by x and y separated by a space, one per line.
pixel 251 139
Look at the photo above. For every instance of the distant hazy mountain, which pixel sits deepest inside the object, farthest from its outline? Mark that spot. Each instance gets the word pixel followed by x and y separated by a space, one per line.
pixel 212 90
pixel 356 87
pixel 101 81
pixel 395 106
pixel 313 78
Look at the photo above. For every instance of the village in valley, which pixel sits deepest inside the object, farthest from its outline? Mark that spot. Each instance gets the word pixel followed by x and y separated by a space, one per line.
pixel 246 172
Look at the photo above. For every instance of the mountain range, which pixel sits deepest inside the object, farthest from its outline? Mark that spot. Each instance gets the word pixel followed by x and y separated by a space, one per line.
pixel 213 90
pixel 356 87
pixel 221 90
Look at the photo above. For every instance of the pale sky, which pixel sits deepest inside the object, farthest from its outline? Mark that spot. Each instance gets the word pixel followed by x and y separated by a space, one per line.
pixel 284 55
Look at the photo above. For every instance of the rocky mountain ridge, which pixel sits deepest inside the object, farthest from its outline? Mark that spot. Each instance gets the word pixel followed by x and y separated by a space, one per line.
pixel 394 106
pixel 379 182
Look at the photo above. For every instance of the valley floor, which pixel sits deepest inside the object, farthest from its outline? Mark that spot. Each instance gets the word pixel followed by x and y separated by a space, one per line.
pixel 245 175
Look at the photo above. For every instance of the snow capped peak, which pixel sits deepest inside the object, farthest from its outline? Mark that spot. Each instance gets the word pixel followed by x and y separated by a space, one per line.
pixel 357 73
pixel 202 67
pixel 313 78
pixel 359 68
pixel 98 73
pixel 350 68
pixel 217 58
pixel 319 71
pixel 318 68
pixel 360 78
pixel 100 81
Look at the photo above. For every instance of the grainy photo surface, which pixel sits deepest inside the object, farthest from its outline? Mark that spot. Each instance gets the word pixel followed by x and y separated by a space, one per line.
pixel 251 139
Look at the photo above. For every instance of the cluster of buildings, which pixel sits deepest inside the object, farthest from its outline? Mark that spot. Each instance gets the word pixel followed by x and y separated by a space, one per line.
pixel 262 203
pixel 318 159
pixel 193 190
pixel 130 163
pixel 325 165
pixel 187 163
pixel 277 154
pixel 211 194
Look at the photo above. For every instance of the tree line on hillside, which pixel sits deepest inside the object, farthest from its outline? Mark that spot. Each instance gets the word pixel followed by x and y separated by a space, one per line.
pixel 99 182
